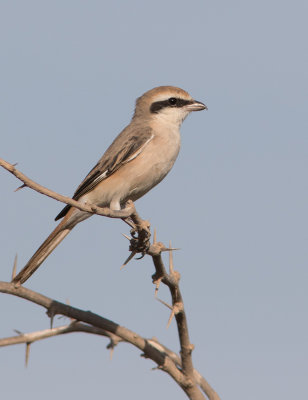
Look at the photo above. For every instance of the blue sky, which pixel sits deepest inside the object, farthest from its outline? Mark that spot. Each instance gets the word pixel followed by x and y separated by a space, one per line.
pixel 235 201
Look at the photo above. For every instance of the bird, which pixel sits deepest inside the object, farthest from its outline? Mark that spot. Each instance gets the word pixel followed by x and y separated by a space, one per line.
pixel 136 161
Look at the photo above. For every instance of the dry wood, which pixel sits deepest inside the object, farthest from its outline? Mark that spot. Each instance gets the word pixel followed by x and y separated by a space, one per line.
pixel 180 368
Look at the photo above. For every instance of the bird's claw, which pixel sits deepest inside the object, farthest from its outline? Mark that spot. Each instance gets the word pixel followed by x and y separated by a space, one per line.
pixel 140 239
pixel 139 244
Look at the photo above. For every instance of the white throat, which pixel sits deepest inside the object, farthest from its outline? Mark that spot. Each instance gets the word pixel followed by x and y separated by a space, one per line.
pixel 171 116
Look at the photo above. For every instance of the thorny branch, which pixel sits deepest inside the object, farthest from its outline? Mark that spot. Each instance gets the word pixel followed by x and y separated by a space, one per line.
pixel 179 368
pixel 104 211
pixel 150 348
pixel 32 337
pixel 74 326
pixel 128 214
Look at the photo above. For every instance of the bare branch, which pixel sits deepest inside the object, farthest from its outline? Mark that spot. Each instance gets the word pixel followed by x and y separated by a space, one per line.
pixel 179 368
pixel 172 281
pixel 91 208
pixel 55 307
pixel 200 380
pixel 60 330
pixel 128 214
pixel 27 353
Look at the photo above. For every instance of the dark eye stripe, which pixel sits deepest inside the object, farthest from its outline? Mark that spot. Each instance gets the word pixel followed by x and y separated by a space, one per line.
pixel 159 105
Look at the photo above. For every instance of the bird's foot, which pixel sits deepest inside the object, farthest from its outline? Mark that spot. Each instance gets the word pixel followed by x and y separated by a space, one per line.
pixel 140 238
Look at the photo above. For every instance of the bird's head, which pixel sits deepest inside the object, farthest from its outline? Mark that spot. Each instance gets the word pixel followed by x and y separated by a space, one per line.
pixel 166 103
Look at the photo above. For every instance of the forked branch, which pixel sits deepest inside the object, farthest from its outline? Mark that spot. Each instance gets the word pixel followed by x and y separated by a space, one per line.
pixel 179 368
pixel 149 347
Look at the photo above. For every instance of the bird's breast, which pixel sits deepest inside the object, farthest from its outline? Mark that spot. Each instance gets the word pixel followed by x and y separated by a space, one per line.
pixel 154 163
pixel 135 178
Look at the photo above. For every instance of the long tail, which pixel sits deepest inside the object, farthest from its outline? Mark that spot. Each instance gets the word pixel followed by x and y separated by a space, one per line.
pixel 43 252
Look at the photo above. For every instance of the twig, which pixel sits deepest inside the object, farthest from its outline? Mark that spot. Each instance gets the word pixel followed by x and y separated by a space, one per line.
pixel 172 281
pixel 200 380
pixel 128 213
pixel 47 333
pixel 182 372
pixel 54 307
pixel 104 211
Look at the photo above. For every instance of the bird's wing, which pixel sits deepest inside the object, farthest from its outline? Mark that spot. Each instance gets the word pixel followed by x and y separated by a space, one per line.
pixel 127 146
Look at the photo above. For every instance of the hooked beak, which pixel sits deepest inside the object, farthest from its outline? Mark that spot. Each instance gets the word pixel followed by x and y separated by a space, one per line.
pixel 196 106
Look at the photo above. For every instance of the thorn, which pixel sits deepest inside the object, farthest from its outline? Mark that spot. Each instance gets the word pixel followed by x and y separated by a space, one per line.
pixel 164 303
pixel 111 353
pixel 14 165
pixel 27 354
pixel 154 236
pixel 170 259
pixel 132 254
pixel 157 284
pixel 170 249
pixel 18 332
pixel 170 318
pixel 51 321
pixel 127 237
pixel 174 310
pixel 20 187
pixel 177 307
pixel 14 267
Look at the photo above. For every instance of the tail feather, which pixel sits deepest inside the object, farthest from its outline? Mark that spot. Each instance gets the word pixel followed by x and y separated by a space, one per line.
pixel 42 253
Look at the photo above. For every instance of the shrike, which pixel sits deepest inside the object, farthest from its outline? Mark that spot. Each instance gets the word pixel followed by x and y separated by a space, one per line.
pixel 137 160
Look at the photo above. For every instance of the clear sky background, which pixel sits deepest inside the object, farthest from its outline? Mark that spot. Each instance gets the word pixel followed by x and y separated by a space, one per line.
pixel 235 201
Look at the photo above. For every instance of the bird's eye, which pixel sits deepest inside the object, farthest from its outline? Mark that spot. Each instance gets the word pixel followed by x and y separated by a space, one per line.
pixel 172 101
